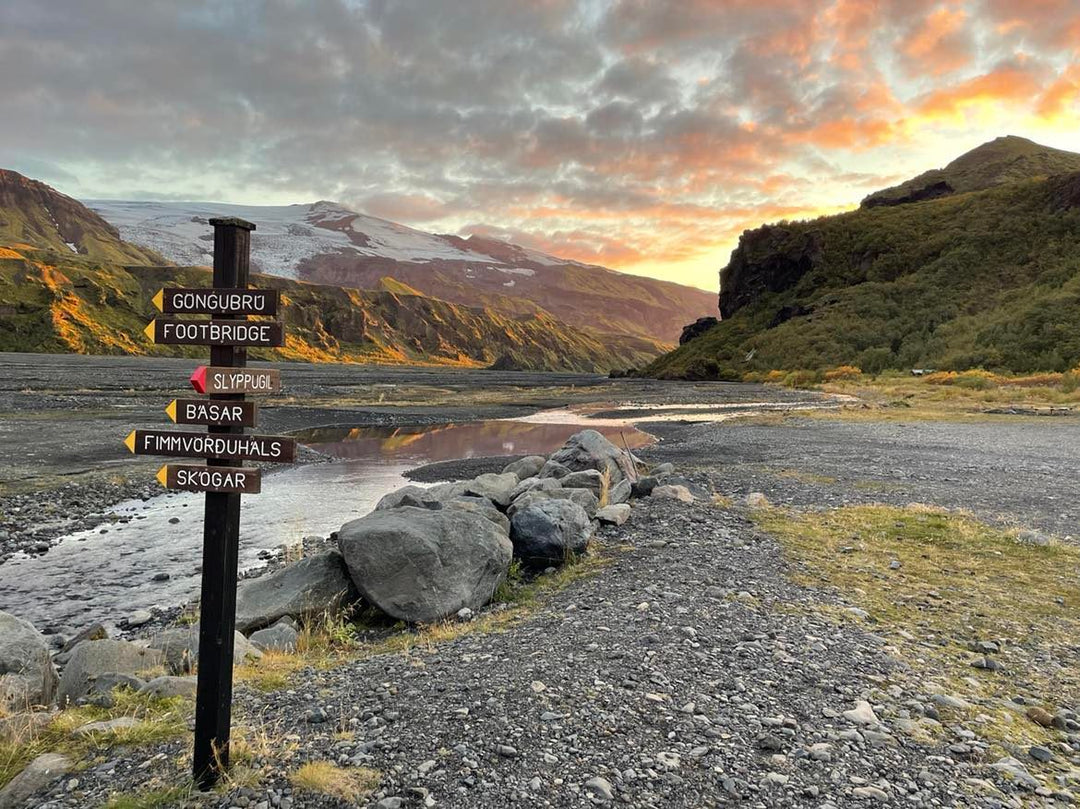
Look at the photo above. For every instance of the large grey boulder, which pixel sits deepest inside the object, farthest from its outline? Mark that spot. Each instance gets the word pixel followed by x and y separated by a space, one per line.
pixel 38 774
pixel 590 450
pixel 585 479
pixel 166 687
pixel 179 647
pixel 526 467
pixel 553 469
pixel 483 507
pixel 27 676
pixel 496 488
pixel 99 658
pixel 620 492
pixel 418 496
pixel 281 637
pixel 535 484
pixel 420 566
pixel 583 497
pixel 315 585
pixel 550 532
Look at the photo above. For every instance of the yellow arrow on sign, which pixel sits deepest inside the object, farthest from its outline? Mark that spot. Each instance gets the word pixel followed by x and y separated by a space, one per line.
pixel 170 411
pixel 159 300
pixel 129 442
pixel 163 476
pixel 149 330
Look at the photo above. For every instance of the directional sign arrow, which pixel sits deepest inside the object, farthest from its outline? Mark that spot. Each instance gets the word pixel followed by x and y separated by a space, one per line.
pixel 272 448
pixel 211 379
pixel 228 302
pixel 194 478
pixel 204 411
pixel 216 332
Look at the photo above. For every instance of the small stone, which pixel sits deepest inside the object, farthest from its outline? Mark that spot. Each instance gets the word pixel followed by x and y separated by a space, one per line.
pixel 506 751
pixel 600 788
pixel 895 564
pixel 316 716
pixel 139 618
pixel 862 714
pixel 160 577
pixel 1040 753
pixel 109 726
pixel 870 792
pixel 465 614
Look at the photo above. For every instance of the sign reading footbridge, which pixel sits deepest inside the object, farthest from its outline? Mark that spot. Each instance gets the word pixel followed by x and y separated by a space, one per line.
pixel 224 445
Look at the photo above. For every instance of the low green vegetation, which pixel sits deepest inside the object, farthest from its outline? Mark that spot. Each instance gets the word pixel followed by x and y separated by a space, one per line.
pixel 157 720
pixel 937 583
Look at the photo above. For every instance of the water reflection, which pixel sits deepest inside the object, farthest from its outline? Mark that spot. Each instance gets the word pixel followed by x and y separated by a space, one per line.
pixel 452 441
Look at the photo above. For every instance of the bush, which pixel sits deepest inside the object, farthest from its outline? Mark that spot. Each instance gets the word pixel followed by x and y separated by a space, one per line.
pixel 843 372
pixel 802 379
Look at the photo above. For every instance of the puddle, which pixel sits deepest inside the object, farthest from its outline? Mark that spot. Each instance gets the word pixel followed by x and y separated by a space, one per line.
pixel 93 576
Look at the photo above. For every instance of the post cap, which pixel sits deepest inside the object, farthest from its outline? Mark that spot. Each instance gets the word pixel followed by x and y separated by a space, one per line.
pixel 233 222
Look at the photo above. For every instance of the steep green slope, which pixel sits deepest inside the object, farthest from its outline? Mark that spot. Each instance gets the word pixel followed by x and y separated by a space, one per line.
pixel 54 302
pixel 988 278
pixel 33 213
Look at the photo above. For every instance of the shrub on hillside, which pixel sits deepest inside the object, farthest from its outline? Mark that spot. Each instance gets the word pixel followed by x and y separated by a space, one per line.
pixel 842 373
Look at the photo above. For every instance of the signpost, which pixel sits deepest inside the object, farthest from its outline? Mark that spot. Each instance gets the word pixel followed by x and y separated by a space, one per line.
pixel 226 414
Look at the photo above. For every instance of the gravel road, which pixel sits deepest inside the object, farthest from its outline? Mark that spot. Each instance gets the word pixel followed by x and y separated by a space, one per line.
pixel 1024 471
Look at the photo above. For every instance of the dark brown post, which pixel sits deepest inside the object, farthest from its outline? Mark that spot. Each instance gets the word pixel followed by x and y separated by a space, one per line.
pixel 221 534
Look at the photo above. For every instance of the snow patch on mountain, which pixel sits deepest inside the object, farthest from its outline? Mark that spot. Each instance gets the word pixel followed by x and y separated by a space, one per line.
pixel 285 235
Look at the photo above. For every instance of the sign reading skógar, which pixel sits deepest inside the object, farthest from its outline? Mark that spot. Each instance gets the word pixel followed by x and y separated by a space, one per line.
pixel 194 478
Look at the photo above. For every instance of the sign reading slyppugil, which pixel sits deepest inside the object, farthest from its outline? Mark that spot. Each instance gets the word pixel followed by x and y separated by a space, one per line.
pixel 267 333
pixel 175 301
pixel 212 379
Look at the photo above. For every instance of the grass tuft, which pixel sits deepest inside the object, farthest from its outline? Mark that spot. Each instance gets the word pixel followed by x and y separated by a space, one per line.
pixel 351 784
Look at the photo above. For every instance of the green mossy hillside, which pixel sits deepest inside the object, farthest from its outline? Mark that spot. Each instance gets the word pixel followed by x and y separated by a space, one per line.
pixel 985 279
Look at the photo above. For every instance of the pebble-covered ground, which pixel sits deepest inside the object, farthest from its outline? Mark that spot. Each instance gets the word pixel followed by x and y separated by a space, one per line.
pixel 688 671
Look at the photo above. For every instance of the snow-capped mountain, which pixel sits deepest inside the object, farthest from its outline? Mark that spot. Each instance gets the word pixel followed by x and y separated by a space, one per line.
pixel 326 243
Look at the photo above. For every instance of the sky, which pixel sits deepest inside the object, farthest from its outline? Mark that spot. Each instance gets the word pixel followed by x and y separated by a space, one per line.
pixel 643 135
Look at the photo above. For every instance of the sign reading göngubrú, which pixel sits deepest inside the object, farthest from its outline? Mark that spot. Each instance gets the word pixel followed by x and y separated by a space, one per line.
pixel 224 446
pixel 172 301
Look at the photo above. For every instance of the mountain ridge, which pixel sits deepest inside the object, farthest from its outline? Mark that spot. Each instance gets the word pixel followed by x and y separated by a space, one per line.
pixel 69 283
pixel 326 243
pixel 982 278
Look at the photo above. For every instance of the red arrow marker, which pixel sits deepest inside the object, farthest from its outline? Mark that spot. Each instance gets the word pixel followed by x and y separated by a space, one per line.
pixel 198 379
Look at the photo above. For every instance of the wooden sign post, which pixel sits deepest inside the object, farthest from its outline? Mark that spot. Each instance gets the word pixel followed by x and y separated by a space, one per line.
pixel 224 446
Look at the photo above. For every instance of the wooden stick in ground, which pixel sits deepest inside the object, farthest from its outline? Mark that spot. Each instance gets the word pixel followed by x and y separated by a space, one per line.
pixel 630 455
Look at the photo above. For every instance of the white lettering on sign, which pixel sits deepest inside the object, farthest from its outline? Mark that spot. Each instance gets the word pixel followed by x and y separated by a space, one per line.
pixel 258 333
pixel 219 301
pixel 212 446
pixel 224 381
pixel 212 411
pixel 211 478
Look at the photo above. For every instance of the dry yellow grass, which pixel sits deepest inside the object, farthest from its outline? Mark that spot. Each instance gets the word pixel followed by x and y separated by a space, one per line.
pixel 958 581
pixel 351 784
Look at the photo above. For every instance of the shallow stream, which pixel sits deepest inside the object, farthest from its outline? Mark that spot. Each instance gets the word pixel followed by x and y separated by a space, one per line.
pixel 109 572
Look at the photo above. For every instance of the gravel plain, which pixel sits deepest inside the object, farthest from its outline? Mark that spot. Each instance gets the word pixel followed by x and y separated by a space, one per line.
pixel 689 670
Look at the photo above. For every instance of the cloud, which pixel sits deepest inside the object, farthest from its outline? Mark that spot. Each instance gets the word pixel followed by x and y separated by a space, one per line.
pixel 634 132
